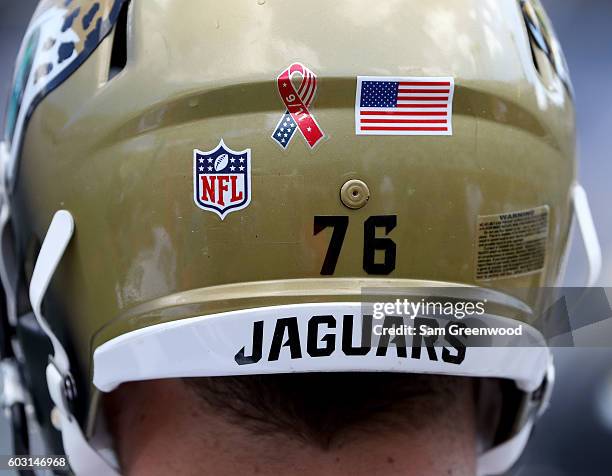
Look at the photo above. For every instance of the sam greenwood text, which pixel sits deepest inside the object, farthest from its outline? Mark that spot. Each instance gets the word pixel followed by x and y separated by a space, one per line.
pixel 452 329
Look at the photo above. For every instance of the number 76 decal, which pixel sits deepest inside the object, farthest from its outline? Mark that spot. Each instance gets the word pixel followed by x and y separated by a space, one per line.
pixel 370 242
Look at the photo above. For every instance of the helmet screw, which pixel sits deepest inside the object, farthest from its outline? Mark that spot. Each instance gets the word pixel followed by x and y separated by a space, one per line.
pixel 69 388
pixel 354 194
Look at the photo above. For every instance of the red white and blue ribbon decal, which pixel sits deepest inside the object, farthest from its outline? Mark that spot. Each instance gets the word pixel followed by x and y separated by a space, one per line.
pixel 297 115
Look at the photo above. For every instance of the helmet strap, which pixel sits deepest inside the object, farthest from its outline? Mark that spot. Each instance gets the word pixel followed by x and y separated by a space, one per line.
pixel 83 458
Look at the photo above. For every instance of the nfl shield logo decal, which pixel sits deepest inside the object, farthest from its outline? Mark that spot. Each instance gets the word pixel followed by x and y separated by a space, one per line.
pixel 222 179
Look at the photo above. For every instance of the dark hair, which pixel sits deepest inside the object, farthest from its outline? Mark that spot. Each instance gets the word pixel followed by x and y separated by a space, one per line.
pixel 318 408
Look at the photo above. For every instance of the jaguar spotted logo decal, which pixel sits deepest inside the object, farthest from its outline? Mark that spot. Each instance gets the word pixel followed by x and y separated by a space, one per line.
pixel 60 37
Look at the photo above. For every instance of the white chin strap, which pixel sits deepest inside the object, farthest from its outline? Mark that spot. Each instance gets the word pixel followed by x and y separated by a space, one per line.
pixel 588 233
pixel 83 459
pixel 499 459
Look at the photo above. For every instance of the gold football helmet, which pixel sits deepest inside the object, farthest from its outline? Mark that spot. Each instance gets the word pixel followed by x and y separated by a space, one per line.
pixel 203 189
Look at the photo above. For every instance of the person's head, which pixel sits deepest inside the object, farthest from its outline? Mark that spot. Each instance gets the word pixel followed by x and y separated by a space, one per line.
pixel 204 200
pixel 302 424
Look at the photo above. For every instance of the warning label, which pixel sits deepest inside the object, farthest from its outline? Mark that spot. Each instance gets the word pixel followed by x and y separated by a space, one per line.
pixel 512 244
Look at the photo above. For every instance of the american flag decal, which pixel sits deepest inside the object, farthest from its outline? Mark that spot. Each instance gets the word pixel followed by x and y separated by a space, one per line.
pixel 404 106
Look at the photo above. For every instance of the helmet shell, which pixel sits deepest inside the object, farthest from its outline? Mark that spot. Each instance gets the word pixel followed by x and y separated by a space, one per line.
pixel 118 154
